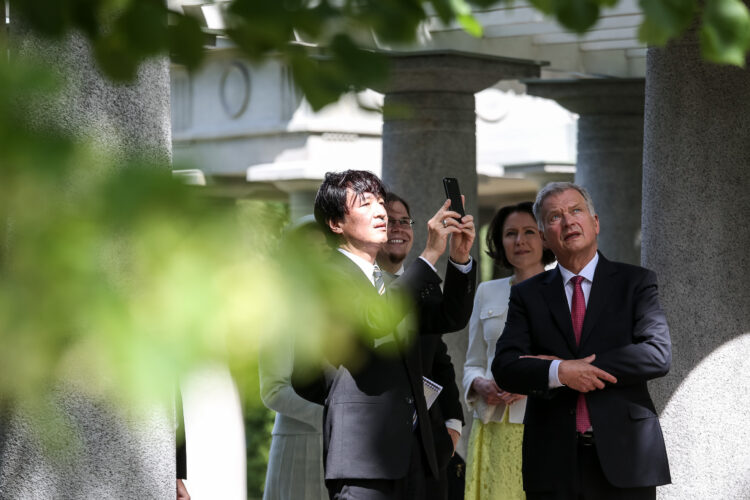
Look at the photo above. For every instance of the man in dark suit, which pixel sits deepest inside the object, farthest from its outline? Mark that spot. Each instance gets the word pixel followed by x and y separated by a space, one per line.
pixel 446 414
pixel 582 340
pixel 377 437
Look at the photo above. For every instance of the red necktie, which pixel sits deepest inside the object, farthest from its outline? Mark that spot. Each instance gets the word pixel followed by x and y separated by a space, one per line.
pixel 577 313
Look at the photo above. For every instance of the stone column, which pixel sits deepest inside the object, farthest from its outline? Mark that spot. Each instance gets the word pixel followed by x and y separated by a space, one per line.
pixel 610 153
pixel 696 176
pixel 429 125
pixel 113 455
pixel 429 132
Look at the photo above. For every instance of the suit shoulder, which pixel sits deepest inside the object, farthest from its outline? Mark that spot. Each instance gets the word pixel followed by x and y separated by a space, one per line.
pixel 632 270
pixel 535 281
pixel 637 275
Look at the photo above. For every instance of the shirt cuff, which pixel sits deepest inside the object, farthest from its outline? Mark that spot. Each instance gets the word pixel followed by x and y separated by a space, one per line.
pixel 428 263
pixel 454 424
pixel 464 268
pixel 554 381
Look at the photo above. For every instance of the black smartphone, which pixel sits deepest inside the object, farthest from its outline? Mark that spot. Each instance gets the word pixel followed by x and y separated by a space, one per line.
pixel 453 193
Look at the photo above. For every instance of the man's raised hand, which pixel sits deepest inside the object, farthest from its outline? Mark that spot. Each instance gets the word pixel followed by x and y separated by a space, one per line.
pixel 443 225
pixel 580 375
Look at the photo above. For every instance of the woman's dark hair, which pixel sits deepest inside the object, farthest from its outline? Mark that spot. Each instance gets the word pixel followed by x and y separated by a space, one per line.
pixel 495 234
pixel 330 202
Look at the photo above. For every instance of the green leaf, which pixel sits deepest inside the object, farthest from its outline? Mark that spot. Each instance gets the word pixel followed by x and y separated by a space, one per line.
pixel 116 60
pixel 46 17
pixel 577 15
pixel 393 21
pixel 725 32
pixel 470 25
pixel 465 17
pixel 144 26
pixel 544 6
pixel 665 19
pixel 186 41
pixel 443 9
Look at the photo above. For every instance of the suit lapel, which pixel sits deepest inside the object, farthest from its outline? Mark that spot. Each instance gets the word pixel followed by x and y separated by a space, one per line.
pixel 600 293
pixel 554 294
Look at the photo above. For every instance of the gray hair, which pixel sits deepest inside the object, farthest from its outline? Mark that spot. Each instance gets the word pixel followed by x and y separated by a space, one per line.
pixel 557 188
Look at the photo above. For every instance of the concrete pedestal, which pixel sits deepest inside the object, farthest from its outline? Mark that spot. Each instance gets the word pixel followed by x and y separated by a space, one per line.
pixel 429 132
pixel 610 152
pixel 695 236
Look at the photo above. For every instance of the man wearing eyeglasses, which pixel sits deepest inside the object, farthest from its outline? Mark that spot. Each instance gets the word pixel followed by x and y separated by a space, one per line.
pixel 446 414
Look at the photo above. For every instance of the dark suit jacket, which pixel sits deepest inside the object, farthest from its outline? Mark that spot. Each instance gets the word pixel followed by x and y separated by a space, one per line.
pixel 369 400
pixel 437 366
pixel 627 330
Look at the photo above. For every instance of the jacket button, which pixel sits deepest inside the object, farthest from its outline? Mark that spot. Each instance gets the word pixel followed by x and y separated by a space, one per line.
pixel 489 312
pixel 410 400
pixel 572 412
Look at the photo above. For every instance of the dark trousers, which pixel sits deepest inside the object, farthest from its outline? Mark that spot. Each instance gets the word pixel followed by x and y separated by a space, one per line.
pixel 411 487
pixel 437 488
pixel 591 484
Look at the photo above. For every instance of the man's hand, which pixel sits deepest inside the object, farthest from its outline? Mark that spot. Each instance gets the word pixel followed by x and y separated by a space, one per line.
pixel 182 492
pixel 580 375
pixel 509 398
pixel 461 242
pixel 455 436
pixel 440 227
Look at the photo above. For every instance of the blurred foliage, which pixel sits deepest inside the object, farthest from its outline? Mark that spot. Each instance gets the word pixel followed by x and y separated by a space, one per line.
pixel 117 280
pixel 328 43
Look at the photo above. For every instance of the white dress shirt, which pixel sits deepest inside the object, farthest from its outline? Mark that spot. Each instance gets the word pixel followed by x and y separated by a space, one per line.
pixel 588 279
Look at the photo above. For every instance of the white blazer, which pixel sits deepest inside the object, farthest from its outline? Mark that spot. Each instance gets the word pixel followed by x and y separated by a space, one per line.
pixel 485 327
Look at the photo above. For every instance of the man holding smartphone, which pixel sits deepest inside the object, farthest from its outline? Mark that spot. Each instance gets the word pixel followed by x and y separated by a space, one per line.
pixel 378 440
pixel 446 413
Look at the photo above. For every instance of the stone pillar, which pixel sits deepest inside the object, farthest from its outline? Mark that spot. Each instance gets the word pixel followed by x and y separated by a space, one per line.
pixel 696 176
pixel 429 125
pixel 610 154
pixel 113 455
pixel 429 132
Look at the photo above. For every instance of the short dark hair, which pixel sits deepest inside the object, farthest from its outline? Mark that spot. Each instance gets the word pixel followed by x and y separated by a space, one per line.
pixel 391 197
pixel 330 202
pixel 495 234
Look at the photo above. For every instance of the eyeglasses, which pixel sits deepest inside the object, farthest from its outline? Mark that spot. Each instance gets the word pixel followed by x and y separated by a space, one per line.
pixel 404 223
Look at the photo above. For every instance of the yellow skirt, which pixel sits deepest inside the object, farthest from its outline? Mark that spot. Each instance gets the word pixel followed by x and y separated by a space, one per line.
pixel 493 465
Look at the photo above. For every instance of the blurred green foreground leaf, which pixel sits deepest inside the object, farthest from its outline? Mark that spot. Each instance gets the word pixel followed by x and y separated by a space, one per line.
pixel 329 45
pixel 116 279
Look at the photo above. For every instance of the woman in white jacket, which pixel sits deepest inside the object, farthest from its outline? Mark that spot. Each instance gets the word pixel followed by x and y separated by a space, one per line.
pixel 494 456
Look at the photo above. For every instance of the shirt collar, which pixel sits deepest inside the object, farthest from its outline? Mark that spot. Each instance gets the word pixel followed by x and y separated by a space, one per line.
pixel 366 266
pixel 587 272
pixel 400 271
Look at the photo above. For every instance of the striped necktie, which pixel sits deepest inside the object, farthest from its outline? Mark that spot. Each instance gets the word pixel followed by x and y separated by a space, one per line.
pixel 377 274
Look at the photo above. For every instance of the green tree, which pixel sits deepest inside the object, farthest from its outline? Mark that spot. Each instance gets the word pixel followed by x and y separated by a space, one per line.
pixel 125 32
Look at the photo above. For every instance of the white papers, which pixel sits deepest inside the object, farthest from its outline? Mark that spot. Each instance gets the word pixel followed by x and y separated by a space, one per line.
pixel 431 391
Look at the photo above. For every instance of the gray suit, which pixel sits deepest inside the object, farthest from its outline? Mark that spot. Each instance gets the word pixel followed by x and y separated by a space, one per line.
pixel 295 460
